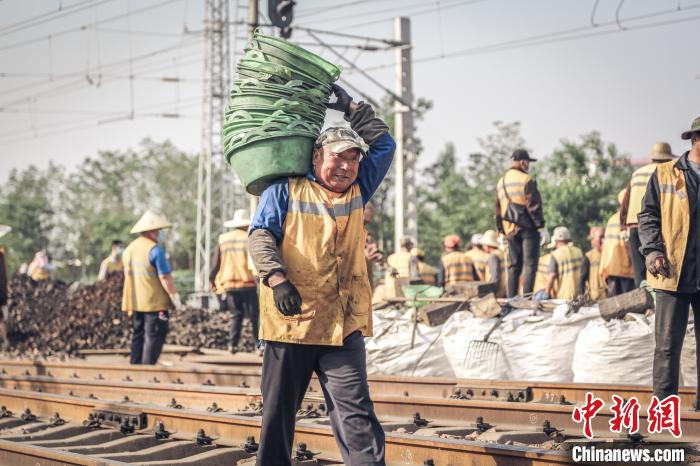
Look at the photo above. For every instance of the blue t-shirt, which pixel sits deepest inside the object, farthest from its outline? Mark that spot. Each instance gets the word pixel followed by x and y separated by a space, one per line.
pixel 272 208
pixel 156 256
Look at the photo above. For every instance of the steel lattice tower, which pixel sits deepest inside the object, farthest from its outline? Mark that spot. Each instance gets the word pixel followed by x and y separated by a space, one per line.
pixel 212 169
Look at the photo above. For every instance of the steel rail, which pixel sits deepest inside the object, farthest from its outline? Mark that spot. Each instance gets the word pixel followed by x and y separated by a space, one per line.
pixel 235 375
pixel 231 429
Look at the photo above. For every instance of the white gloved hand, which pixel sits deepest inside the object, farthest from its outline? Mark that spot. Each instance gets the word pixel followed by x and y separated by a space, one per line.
pixel 177 302
pixel 625 234
pixel 545 238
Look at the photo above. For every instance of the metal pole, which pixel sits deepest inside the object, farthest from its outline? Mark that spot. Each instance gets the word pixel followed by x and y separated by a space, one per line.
pixel 253 22
pixel 405 160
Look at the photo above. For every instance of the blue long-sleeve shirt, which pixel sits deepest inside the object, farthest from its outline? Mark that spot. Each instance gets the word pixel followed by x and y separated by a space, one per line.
pixel 272 208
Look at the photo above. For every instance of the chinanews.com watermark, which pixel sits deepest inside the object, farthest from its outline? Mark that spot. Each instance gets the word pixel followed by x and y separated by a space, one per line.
pixel 662 416
pixel 586 454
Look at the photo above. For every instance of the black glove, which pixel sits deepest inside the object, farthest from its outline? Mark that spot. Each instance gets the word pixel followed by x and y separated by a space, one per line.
pixel 287 298
pixel 656 269
pixel 343 99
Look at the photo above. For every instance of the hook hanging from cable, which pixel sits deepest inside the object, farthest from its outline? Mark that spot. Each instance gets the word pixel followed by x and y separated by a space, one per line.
pixel 617 15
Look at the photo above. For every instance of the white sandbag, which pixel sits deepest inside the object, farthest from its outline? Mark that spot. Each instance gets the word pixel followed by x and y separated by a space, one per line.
pixel 541 348
pixel 615 351
pixel 389 350
pixel 689 375
pixel 462 328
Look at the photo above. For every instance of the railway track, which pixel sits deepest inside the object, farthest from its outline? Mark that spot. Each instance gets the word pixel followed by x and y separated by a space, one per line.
pixel 443 420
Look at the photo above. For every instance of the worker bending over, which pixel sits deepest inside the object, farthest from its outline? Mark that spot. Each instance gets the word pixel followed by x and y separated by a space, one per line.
pixel 568 268
pixel 149 289
pixel 455 266
pixel 427 274
pixel 519 217
pixel 669 231
pixel 232 279
pixel 307 242
pixel 112 263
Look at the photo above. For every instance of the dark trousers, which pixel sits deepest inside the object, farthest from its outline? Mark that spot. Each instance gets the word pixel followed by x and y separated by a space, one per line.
pixel 342 372
pixel 671 324
pixel 633 245
pixel 149 331
pixel 242 302
pixel 523 252
pixel 619 285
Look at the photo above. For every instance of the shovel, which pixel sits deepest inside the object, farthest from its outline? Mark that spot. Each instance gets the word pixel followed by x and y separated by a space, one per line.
pixel 484 353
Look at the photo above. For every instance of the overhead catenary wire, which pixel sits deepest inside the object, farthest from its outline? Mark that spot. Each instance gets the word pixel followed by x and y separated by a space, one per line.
pixel 50 16
pixel 86 26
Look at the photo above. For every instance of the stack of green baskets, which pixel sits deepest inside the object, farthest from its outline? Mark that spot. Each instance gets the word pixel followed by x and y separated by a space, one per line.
pixel 276 111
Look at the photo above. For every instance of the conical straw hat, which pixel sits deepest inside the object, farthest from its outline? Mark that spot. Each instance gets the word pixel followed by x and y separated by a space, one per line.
pixel 150 221
pixel 240 219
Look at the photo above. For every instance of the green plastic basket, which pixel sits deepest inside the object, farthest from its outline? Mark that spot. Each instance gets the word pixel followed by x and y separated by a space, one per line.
pixel 301 58
pixel 260 162
pixel 420 291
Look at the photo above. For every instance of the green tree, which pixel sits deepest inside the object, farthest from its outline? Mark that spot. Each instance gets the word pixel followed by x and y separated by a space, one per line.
pixel 579 183
pixel 26 205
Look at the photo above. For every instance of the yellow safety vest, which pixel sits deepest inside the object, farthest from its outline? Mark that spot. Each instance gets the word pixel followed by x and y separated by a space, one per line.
pixel 324 252
pixel 569 264
pixel 428 273
pixel 233 271
pixel 615 259
pixel 111 266
pixel 457 267
pixel 511 186
pixel 638 186
pixel 675 213
pixel 502 277
pixel 401 261
pixel 143 291
pixel 596 285
pixel 480 260
pixel 543 273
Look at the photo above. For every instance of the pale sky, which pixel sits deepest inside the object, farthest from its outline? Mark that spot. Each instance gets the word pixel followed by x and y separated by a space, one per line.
pixel 65 91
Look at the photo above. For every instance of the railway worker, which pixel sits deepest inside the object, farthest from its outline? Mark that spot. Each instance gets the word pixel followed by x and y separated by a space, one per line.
pixel 540 289
pixel 455 266
pixel 40 267
pixel 232 279
pixel 112 263
pixel 398 270
pixel 373 256
pixel 596 283
pixel 632 205
pixel 307 242
pixel 478 256
pixel 568 267
pixel 4 229
pixel 615 263
pixel 496 262
pixel 149 289
pixel 669 232
pixel 427 274
pixel 519 217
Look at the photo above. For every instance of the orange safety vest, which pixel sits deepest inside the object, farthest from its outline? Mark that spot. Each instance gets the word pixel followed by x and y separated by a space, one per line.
pixel 457 268
pixel 596 285
pixel 480 260
pixel 543 273
pixel 427 273
pixel 324 251
pixel 638 186
pixel 569 267
pixel 615 259
pixel 143 291
pixel 511 186
pixel 401 261
pixel 234 272
pixel 675 215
